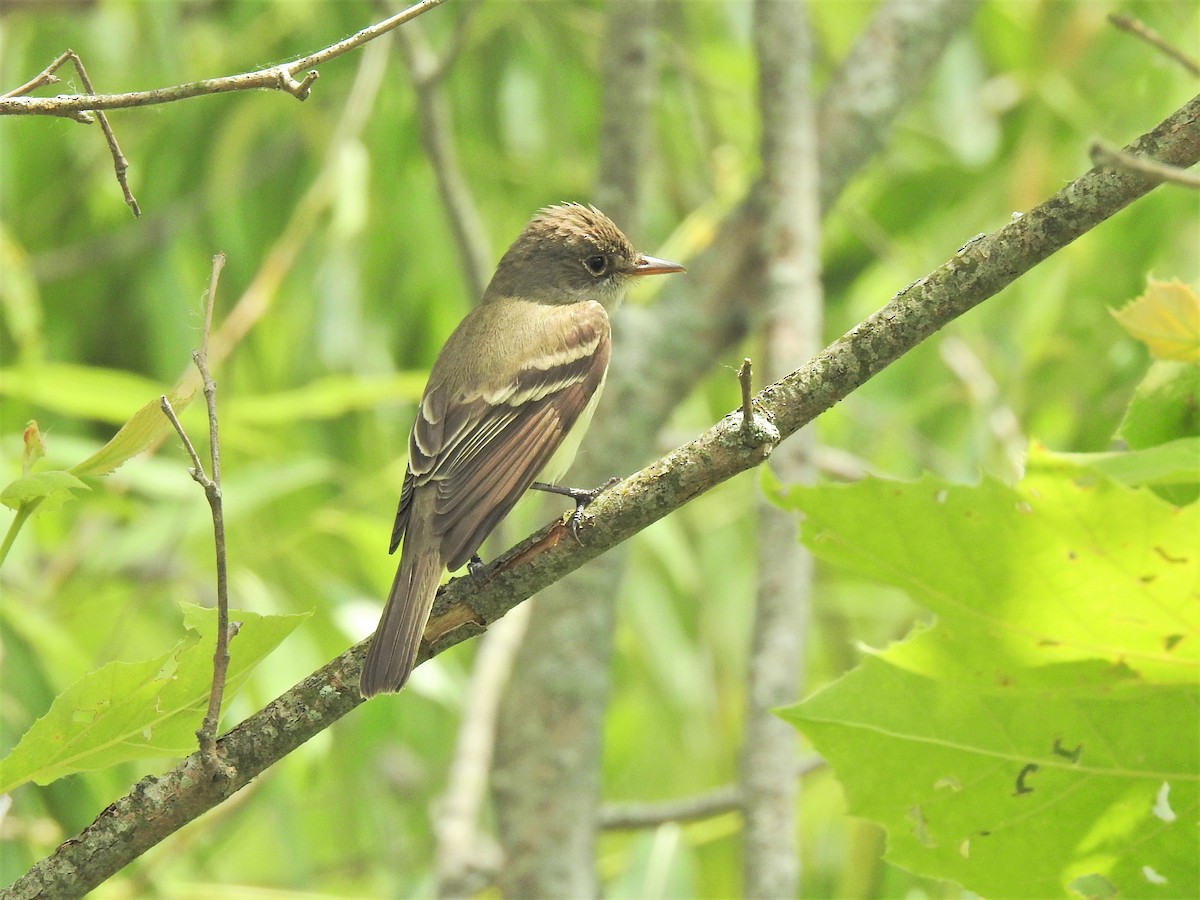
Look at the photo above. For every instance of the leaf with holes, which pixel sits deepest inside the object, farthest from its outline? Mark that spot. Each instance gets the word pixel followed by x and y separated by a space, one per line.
pixel 1037 738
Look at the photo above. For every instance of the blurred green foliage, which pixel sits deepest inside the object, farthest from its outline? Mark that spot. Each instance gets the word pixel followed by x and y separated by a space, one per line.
pixel 338 234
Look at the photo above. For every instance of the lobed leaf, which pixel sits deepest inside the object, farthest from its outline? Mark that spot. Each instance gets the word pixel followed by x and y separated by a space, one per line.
pixel 1039 737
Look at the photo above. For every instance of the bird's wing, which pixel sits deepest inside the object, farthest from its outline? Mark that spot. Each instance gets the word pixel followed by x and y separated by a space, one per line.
pixel 480 445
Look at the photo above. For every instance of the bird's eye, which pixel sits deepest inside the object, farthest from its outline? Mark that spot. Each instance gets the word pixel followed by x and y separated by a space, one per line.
pixel 597 264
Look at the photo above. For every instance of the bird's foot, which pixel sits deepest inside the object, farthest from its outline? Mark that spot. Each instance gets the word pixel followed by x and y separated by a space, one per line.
pixel 582 497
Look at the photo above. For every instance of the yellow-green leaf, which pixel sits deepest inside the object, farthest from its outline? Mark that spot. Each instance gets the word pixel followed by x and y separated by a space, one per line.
pixel 148 426
pixel 39 486
pixel 1166 318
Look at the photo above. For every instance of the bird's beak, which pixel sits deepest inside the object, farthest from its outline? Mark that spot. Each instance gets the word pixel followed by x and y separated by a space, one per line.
pixel 649 265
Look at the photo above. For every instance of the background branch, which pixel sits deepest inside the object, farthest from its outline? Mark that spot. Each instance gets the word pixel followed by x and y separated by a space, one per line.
pixel 281 78
pixel 546 781
pixel 791 243
pixel 427 72
pixel 720 800
pixel 159 805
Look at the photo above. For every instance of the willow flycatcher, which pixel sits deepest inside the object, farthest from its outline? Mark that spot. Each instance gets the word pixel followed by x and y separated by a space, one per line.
pixel 508 400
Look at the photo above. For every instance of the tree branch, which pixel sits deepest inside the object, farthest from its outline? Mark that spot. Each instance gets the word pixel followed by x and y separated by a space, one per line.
pixel 792 297
pixel 286 77
pixel 546 780
pixel 159 805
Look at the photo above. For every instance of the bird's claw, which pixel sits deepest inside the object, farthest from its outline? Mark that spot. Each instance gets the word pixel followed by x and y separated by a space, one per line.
pixel 582 497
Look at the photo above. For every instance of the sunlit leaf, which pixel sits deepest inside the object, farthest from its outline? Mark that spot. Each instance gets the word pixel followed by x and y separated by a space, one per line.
pixel 1165 406
pixel 1166 318
pixel 1016 792
pixel 148 426
pixel 1016 744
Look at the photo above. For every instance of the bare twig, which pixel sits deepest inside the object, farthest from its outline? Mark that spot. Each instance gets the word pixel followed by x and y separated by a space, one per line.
pixel 1140 29
pixel 1108 158
pixel 280 78
pixel 208 730
pixel 120 163
pixel 746 380
pixel 47 76
pixel 629 816
pixel 207 733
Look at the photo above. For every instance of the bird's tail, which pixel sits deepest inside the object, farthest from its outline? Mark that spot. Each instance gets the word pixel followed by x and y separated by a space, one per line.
pixel 393 650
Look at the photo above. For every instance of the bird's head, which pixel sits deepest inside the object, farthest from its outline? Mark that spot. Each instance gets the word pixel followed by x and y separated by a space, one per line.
pixel 570 253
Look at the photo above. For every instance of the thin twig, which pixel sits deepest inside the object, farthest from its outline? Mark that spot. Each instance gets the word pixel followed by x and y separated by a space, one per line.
pixel 280 78
pixel 1109 158
pixel 207 733
pixel 120 163
pixel 169 412
pixel 746 380
pixel 212 490
pixel 1140 29
pixel 45 77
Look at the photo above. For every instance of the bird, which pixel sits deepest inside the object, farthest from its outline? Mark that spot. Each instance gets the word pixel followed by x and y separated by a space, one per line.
pixel 507 402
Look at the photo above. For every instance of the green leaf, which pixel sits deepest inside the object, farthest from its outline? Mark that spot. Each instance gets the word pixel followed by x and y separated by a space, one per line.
pixel 1176 462
pixel 1165 406
pixel 1017 792
pixel 52 485
pixel 148 426
pixel 152 708
pixel 1017 745
pixel 1048 571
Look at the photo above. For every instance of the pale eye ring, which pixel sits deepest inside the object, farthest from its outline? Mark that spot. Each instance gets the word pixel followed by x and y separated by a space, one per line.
pixel 597 265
